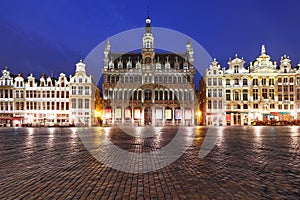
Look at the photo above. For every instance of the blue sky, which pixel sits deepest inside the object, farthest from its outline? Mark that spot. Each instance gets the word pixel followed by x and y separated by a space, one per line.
pixel 50 36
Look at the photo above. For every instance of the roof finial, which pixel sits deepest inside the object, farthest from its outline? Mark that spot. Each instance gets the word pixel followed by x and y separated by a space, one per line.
pixel 263 49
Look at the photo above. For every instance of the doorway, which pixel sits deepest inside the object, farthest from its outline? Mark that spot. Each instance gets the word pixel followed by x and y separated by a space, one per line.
pixel 148 116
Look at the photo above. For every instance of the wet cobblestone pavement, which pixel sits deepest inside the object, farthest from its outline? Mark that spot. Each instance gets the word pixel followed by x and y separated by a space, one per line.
pixel 245 163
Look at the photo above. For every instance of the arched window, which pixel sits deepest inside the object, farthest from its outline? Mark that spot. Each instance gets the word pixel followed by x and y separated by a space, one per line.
pixel 166 95
pixel 148 94
pixel 148 60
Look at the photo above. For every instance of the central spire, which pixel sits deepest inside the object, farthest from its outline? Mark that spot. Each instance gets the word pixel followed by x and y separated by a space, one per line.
pixel 148 26
pixel 148 39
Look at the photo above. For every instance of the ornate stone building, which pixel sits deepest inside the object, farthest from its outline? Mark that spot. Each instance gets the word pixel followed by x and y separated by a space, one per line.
pixel 6 98
pixel 261 91
pixel 83 97
pixel 148 87
pixel 49 101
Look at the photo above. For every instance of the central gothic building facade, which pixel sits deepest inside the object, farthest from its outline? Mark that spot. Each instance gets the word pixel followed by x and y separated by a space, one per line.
pixel 148 87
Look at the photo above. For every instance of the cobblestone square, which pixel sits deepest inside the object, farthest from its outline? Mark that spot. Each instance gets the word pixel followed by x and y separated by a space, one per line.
pixel 246 163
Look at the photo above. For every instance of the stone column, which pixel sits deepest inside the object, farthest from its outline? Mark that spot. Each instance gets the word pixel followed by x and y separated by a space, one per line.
pixel 193 117
pixel 164 116
pixel 122 114
pixel 183 116
pixel 113 115
pixel 173 115
pixel 132 115
pixel 153 115
pixel 143 116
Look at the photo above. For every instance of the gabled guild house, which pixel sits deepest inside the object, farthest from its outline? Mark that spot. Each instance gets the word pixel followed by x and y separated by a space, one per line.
pixel 49 101
pixel 264 91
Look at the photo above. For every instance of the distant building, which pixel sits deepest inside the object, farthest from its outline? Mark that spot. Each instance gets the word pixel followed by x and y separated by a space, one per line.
pixel 262 91
pixel 148 88
pixel 49 101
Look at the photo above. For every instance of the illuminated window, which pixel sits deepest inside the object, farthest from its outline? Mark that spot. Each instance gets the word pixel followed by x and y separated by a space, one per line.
pixel 264 81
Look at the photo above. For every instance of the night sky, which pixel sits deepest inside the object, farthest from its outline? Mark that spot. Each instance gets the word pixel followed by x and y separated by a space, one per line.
pixel 52 36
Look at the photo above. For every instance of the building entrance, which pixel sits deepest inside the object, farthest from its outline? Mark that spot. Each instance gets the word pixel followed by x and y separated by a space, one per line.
pixel 148 116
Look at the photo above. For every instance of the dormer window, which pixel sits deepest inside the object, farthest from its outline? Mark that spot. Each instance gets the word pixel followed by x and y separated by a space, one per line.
pixel 215 71
pixel 80 80
pixel 236 69
pixel 31 83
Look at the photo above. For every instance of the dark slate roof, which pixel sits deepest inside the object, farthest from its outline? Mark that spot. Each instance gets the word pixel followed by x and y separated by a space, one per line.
pixel 134 57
